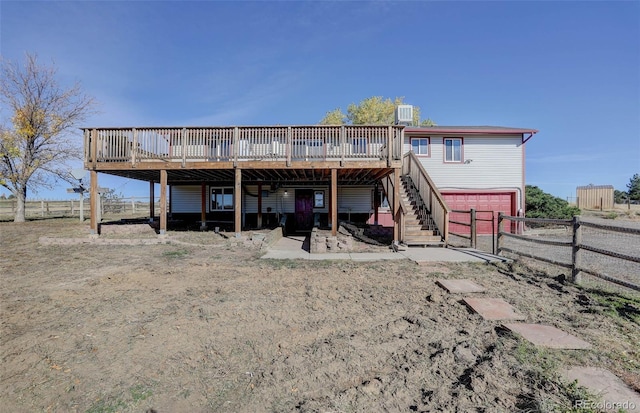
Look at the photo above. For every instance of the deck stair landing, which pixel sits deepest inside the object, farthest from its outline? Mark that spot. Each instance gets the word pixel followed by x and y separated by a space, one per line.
pixel 419 228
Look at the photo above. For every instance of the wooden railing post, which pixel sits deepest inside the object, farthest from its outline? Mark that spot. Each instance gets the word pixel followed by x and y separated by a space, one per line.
pixel 474 232
pixel 390 145
pixel 289 146
pixel 343 140
pixel 94 148
pixel 575 251
pixel 183 137
pixel 499 238
pixel 134 148
pixel 235 144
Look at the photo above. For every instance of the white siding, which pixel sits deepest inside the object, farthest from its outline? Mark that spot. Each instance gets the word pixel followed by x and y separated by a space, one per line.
pixel 186 199
pixel 494 163
pixel 358 198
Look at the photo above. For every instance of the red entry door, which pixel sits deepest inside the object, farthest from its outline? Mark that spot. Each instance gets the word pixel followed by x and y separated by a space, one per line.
pixel 304 209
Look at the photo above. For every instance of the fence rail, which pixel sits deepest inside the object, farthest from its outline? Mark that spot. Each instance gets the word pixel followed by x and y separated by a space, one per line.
pixel 66 208
pixel 472 224
pixel 610 249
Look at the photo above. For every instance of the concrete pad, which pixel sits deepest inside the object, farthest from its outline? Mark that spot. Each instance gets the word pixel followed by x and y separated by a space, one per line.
pixel 548 336
pixel 460 286
pixel 614 393
pixel 437 254
pixel 493 308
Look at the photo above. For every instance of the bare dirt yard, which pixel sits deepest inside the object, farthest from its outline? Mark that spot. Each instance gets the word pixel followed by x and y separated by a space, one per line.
pixel 202 324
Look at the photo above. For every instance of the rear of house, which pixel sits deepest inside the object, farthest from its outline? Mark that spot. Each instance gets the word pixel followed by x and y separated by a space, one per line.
pixel 305 176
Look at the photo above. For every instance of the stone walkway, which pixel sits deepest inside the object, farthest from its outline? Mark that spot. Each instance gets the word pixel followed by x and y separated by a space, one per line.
pixel 614 394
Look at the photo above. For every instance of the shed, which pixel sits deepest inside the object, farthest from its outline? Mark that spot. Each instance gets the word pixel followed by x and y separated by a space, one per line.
pixel 595 197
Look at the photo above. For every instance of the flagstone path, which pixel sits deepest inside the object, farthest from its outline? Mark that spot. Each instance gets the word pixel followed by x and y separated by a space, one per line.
pixel 614 393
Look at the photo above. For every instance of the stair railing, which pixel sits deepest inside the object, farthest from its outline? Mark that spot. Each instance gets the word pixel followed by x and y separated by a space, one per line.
pixel 430 198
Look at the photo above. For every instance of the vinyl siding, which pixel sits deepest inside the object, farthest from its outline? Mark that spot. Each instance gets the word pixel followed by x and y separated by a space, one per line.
pixel 495 163
pixel 186 199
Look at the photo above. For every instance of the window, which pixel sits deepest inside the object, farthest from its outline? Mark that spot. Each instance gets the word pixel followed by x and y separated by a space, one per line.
pixel 221 199
pixel 453 150
pixel 420 146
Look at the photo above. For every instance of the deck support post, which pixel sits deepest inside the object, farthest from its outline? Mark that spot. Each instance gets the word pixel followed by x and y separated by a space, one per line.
pixel 152 196
pixel 93 202
pixel 334 202
pixel 376 203
pixel 396 205
pixel 237 201
pixel 203 206
pixel 163 201
pixel 259 223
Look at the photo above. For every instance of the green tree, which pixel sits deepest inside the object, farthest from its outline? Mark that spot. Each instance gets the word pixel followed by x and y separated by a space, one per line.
pixel 540 204
pixel 36 140
pixel 634 188
pixel 371 111
pixel 620 197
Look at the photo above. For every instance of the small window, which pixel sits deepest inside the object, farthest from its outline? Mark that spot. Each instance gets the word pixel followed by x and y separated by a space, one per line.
pixel 221 199
pixel 453 150
pixel 420 146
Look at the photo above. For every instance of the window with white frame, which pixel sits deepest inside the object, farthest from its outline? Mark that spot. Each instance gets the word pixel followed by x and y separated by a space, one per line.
pixel 453 150
pixel 221 199
pixel 420 146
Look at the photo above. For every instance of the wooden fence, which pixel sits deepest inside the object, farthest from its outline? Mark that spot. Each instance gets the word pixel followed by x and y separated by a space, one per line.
pixel 70 208
pixel 472 224
pixel 578 246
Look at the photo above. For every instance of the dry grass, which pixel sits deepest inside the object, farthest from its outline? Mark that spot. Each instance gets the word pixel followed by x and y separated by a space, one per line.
pixel 205 325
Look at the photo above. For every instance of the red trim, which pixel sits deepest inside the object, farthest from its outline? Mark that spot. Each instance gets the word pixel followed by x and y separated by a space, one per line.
pixel 420 155
pixel 444 150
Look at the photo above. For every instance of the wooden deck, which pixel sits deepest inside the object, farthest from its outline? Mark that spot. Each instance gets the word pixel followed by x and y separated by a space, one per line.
pixel 333 155
pixel 265 147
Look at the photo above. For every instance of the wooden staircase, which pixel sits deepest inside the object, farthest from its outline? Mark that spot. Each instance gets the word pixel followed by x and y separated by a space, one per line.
pixel 419 228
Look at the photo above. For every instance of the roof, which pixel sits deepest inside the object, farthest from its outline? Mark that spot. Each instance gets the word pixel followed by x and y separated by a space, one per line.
pixel 470 130
pixel 595 187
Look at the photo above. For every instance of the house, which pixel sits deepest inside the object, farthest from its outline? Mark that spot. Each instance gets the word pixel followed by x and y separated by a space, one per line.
pixel 299 177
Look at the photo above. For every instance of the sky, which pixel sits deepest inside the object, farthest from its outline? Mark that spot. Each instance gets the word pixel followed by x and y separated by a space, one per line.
pixel 569 69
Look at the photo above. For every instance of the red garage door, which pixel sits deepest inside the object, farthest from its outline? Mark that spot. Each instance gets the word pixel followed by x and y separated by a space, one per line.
pixel 480 201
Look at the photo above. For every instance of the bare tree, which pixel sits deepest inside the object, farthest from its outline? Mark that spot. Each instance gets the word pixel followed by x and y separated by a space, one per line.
pixel 36 130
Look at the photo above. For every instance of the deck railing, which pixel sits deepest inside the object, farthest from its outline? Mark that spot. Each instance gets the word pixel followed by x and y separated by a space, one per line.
pixel 429 193
pixel 244 143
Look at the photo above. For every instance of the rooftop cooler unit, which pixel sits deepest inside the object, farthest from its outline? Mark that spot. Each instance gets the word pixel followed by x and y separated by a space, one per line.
pixel 404 115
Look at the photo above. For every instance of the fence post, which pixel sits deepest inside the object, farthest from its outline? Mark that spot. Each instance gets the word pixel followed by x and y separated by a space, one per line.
pixel 499 237
pixel 41 207
pixel 474 233
pixel 575 250
pixel 493 233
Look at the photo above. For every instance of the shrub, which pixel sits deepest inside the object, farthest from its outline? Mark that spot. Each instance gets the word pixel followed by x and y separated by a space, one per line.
pixel 540 204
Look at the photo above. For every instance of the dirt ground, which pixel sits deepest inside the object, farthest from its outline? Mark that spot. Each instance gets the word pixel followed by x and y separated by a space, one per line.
pixel 204 325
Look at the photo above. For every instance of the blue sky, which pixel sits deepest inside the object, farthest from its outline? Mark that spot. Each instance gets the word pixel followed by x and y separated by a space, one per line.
pixel 569 69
